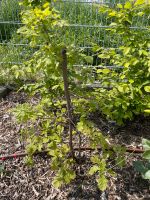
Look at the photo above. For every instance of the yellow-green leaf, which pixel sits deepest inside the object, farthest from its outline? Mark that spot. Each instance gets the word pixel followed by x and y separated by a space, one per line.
pixel 147 111
pixel 147 88
pixel 128 5
pixel 106 71
pixel 102 183
pixel 119 5
pixel 93 169
pixel 139 2
pixel 126 50
pixel 56 183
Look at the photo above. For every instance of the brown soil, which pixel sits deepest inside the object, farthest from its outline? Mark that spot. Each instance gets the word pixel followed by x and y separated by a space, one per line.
pixel 19 182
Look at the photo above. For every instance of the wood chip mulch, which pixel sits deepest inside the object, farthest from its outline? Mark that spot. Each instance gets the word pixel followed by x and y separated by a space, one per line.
pixel 20 182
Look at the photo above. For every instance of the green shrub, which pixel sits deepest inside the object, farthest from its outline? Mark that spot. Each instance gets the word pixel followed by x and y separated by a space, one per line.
pixel 130 93
pixel 11 54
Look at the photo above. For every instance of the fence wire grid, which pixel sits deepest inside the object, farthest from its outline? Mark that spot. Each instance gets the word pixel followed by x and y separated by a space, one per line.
pixel 86 25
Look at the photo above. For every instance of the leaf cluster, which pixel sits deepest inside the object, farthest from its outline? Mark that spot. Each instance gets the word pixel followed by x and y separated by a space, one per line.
pixel 130 79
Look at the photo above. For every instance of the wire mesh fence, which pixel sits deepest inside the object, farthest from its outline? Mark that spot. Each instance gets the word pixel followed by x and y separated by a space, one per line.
pixel 86 25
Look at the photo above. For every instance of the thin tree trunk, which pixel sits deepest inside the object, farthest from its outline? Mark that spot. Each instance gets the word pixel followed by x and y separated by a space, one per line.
pixel 68 99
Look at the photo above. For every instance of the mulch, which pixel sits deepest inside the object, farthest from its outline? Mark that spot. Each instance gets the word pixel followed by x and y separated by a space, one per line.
pixel 20 182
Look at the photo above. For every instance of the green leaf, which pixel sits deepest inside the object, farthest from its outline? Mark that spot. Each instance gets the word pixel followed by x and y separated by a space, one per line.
pixel 28 69
pixel 113 13
pixel 147 175
pixel 128 5
pixel 126 50
pixel 102 183
pixel 93 169
pixel 139 2
pixel 2 168
pixel 113 24
pixel 147 111
pixel 122 76
pixel 127 64
pixel 89 59
pixel 29 160
pixel 147 88
pixel 103 8
pixel 80 126
pixel 119 5
pixel 70 175
pixel 146 155
pixel 104 56
pixel 95 159
pixel 45 140
pixel 120 161
pixel 120 88
pixel 146 144
pixel 140 14
pixel 55 87
pixel 99 71
pixel 102 165
pixel 131 81
pixel 31 148
pixel 112 173
pixel 106 71
pixel 96 48
pixel 138 165
pixel 56 183
pixel 17 74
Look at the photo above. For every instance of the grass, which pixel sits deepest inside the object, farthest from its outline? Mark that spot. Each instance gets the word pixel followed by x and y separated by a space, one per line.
pixel 82 15
pixel 9 12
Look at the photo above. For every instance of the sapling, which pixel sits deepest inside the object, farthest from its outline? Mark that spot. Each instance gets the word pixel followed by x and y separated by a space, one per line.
pixel 49 121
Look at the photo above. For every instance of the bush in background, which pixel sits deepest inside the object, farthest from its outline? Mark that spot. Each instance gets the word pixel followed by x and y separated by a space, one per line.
pixel 131 85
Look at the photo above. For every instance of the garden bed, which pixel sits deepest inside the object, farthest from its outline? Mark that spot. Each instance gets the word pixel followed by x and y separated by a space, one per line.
pixel 18 181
